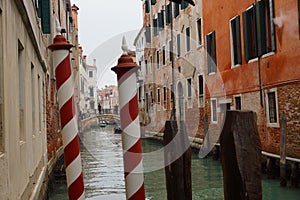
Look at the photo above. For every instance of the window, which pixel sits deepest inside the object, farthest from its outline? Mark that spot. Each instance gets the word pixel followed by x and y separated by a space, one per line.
pixel 168 14
pixel 148 34
pixel 188 39
pixel 153 2
pixel 39 103
pixel 184 5
pixel 161 23
pixel 165 94
pixel 178 45
pixel 92 105
pixel 33 98
pixel 164 55
pixel 91 92
pixel 90 73
pixel 238 102
pixel 189 92
pixel 146 67
pixel 176 9
pixel 157 59
pixel 211 57
pixel 147 6
pixel 235 40
pixel 272 107
pixel 199 29
pixel 214 110
pixel 155 31
pixel 21 91
pixel 259 32
pixel 46 17
pixel 150 66
pixel 170 50
pixel 201 90
pixel 158 95
pixel 151 96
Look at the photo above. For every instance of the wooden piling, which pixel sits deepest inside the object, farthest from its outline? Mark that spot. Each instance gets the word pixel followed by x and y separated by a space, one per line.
pixel 177 155
pixel 241 156
pixel 283 182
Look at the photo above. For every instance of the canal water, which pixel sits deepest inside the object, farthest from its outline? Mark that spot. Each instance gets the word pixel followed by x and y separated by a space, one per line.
pixel 101 152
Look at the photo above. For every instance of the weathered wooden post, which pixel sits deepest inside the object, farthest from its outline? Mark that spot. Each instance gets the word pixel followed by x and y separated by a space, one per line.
pixel 177 156
pixel 241 156
pixel 282 150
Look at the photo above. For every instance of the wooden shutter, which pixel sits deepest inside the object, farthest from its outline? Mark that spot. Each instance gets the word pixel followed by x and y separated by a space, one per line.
pixel 147 6
pixel 208 53
pixel 214 53
pixel 238 40
pixel 178 45
pixel 46 18
pixel 261 31
pixel 176 10
pixel 247 34
pixel 168 14
pixel 148 34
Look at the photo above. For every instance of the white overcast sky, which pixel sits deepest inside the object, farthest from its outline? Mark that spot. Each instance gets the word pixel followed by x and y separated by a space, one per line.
pixel 102 25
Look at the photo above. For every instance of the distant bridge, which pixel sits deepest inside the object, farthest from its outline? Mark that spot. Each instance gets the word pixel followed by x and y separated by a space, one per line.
pixel 95 119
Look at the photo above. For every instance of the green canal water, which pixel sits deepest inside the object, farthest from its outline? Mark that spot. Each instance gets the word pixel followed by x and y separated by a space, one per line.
pixel 101 153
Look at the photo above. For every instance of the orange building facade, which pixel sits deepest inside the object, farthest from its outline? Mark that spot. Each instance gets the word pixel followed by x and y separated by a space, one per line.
pixel 252 63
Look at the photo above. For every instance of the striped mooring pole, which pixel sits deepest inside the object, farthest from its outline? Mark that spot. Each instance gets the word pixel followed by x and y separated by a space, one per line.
pixel 65 94
pixel 131 134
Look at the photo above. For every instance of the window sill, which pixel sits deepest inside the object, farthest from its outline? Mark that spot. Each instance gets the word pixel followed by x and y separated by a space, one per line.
pixel 268 54
pixel 214 122
pixel 273 125
pixel 235 66
pixel 211 73
pixel 253 60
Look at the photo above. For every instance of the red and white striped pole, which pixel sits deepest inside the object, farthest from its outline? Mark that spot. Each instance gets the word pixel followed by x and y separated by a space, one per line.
pixel 131 135
pixel 65 94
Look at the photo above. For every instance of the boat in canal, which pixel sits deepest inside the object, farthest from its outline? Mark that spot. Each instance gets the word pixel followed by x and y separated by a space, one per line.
pixel 102 123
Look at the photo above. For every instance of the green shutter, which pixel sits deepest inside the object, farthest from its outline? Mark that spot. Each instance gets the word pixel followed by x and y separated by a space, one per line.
pixel 188 43
pixel 153 2
pixel 214 52
pixel 46 18
pixel 147 6
pixel 176 10
pixel 247 35
pixel 208 53
pixel 261 31
pixel 168 14
pixel 238 40
pixel 178 45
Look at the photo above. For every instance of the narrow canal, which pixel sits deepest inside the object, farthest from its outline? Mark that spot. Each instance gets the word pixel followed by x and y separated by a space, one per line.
pixel 101 152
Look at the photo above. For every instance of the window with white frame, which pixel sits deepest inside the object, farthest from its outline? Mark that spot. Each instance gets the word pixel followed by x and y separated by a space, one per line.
pixel 235 41
pixel 201 90
pixel 211 55
pixel 272 107
pixel 213 110
pixel 158 95
pixel 259 30
pixel 199 30
pixel 178 45
pixel 238 102
pixel 91 92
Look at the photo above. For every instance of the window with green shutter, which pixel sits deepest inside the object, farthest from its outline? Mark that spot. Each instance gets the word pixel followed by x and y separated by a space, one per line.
pixel 178 45
pixel 168 14
pixel 184 5
pixel 235 35
pixel 170 50
pixel 176 10
pixel 259 30
pixel 157 59
pixel 155 27
pixel 164 55
pixel 211 56
pixel 148 34
pixel 188 39
pixel 147 6
pixel 46 18
pixel 153 2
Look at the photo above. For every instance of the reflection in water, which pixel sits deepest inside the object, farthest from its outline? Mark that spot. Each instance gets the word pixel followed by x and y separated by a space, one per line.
pixel 101 153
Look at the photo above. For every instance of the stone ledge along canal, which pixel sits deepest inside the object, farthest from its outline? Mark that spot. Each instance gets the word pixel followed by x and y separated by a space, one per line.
pixel 101 152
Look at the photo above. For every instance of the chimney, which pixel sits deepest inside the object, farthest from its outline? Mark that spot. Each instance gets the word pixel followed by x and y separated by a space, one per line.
pixel 75 16
pixel 94 62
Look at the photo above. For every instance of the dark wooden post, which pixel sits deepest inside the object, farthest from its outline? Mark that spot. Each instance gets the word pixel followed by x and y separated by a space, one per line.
pixel 177 156
pixel 282 150
pixel 241 156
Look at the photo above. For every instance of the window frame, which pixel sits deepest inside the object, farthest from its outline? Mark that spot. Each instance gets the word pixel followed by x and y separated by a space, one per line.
pixel 201 105
pixel 199 31
pixel 189 92
pixel 188 39
pixel 212 111
pixel 235 42
pixel 211 53
pixel 235 102
pixel 269 123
